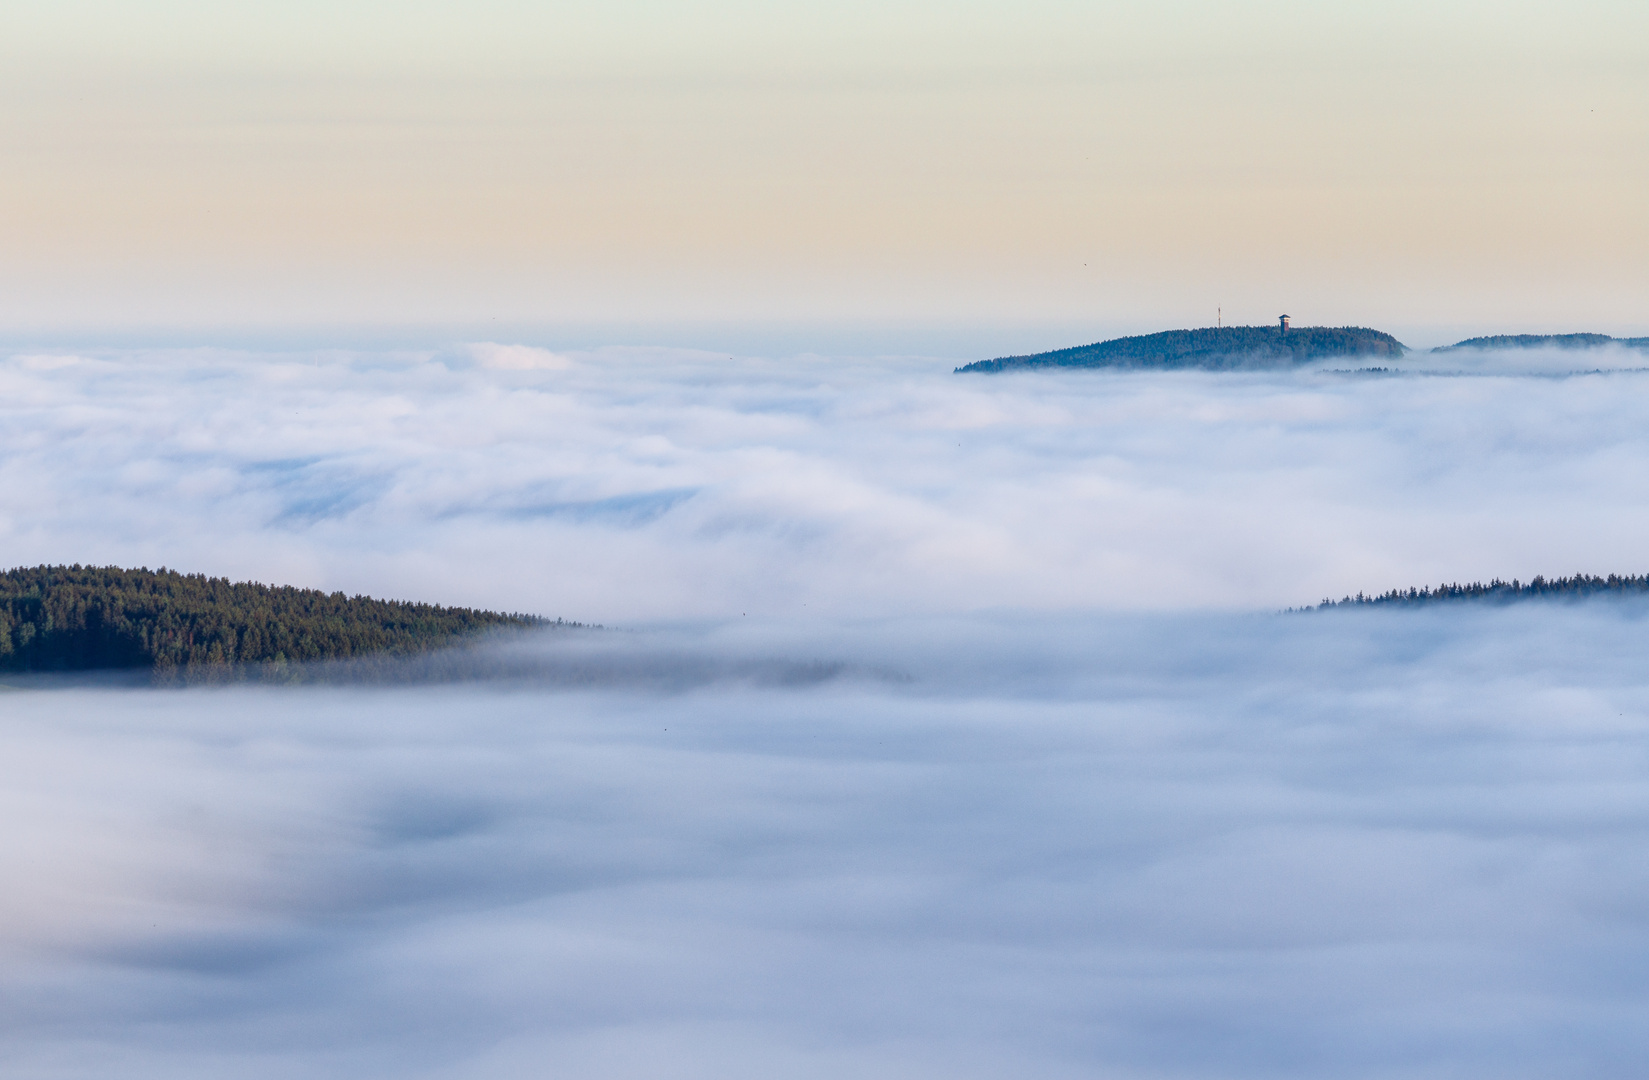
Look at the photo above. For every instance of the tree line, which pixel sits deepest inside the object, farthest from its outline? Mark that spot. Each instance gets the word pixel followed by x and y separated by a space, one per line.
pixel 85 618
pixel 1537 341
pixel 1577 587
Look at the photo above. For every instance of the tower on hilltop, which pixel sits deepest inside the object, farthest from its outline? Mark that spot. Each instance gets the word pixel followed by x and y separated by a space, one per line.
pixel 1284 320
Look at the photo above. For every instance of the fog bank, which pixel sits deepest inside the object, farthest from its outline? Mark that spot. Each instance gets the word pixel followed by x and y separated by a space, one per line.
pixel 1343 843
pixel 943 727
pixel 626 485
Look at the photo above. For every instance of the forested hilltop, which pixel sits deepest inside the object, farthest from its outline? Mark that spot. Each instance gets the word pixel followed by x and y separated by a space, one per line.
pixel 1570 588
pixel 1544 341
pixel 86 618
pixel 1215 348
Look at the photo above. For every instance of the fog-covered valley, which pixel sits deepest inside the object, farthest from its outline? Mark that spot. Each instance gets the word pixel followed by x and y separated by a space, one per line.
pixel 631 485
pixel 941 725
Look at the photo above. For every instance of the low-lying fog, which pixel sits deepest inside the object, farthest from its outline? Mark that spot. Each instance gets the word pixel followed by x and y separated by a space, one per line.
pixel 629 485
pixel 1012 769
pixel 1349 843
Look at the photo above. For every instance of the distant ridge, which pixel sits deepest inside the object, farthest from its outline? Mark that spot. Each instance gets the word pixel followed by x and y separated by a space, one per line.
pixel 1545 341
pixel 1570 588
pixel 1212 348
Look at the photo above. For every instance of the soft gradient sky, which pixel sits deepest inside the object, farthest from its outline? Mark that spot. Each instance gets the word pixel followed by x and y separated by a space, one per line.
pixel 1434 169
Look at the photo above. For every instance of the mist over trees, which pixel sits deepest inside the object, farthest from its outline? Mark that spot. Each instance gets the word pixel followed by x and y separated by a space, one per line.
pixel 86 618
pixel 1578 587
pixel 1213 348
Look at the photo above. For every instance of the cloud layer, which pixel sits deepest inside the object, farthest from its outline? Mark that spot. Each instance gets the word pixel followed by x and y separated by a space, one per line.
pixel 622 485
pixel 922 746
pixel 1358 843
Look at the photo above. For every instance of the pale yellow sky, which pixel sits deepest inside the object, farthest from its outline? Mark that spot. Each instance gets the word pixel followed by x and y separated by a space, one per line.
pixel 1393 164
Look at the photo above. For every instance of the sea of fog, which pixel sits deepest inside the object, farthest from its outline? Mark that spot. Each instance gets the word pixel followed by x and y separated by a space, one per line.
pixel 942 726
pixel 632 485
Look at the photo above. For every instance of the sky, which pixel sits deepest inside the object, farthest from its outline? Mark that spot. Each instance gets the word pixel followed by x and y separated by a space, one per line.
pixel 1029 175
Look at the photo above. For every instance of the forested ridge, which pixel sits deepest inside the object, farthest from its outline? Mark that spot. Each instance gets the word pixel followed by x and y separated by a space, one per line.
pixel 1212 347
pixel 1544 341
pixel 1570 588
pixel 86 618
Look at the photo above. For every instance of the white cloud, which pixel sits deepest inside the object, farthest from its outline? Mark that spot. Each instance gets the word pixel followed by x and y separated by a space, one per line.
pixel 1545 361
pixel 862 830
pixel 495 357
pixel 1170 845
pixel 647 484
pixel 46 361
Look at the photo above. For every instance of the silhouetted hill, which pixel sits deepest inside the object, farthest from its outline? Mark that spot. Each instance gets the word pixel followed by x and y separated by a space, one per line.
pixel 84 618
pixel 1215 348
pixel 1571 588
pixel 1545 341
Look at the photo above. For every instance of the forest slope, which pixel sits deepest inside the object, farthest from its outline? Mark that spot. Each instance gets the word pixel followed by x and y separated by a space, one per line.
pixel 1578 587
pixel 85 618
pixel 1213 348
pixel 1544 341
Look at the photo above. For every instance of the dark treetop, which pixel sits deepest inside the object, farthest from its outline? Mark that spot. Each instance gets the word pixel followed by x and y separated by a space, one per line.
pixel 1570 588
pixel 1545 341
pixel 1216 348
pixel 84 618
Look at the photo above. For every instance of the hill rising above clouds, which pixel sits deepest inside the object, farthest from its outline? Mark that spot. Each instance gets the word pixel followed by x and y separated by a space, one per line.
pixel 86 618
pixel 1212 348
pixel 1545 341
